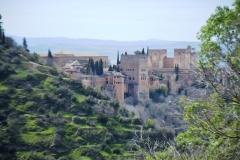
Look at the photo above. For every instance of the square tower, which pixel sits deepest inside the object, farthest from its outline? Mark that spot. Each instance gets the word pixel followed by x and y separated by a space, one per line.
pixel 135 67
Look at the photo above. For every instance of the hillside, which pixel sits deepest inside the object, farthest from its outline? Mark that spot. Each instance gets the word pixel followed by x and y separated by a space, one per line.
pixel 44 114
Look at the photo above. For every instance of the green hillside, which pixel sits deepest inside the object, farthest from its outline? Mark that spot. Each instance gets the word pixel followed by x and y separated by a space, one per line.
pixel 44 114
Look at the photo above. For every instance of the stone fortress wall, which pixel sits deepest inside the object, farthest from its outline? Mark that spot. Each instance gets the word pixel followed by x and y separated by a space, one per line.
pixel 61 57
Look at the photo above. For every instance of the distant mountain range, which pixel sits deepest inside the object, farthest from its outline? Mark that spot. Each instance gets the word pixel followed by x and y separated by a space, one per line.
pixel 106 47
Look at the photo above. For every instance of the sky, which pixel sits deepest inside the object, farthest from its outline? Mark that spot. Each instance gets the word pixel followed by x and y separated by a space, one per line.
pixel 125 20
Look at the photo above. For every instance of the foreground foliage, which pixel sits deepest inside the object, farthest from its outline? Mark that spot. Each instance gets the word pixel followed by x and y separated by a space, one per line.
pixel 214 117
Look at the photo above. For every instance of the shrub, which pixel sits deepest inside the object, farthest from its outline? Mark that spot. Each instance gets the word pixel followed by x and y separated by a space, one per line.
pixel 116 150
pixel 150 123
pixel 93 153
pixel 102 118
pixel 136 121
pixel 76 119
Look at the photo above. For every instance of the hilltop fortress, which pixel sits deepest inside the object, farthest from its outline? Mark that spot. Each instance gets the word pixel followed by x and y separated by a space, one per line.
pixel 137 72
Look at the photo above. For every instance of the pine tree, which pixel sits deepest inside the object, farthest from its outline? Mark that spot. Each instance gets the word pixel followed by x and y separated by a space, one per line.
pixel 147 50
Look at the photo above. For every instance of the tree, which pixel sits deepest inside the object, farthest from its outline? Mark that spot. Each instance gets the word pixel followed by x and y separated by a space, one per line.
pixel 176 72
pixel 49 60
pixel 88 67
pixel 49 54
pixel 100 67
pixel 137 52
pixel 143 52
pixel 214 118
pixel 125 53
pixel 114 67
pixel 147 50
pixel 118 69
pixel 110 68
pixel 92 65
pixel 97 67
pixel 25 44
pixel 118 61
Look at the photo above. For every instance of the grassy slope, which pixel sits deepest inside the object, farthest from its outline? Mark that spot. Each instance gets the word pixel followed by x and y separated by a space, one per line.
pixel 44 114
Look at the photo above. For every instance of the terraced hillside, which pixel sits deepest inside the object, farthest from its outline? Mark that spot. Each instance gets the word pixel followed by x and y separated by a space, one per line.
pixel 44 114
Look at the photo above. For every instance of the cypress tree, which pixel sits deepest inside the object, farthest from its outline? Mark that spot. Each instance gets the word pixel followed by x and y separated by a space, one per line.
pixel 118 69
pixel 49 60
pixel 114 67
pixel 100 67
pixel 110 68
pixel 97 68
pixel 147 50
pixel 143 52
pixel 49 54
pixel 92 65
pixel 118 62
pixel 125 53
pixel 25 43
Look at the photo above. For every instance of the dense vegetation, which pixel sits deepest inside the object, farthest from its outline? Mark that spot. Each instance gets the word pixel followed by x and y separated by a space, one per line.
pixel 213 113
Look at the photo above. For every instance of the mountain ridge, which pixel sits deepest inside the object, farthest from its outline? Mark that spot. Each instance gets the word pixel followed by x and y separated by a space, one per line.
pixel 110 48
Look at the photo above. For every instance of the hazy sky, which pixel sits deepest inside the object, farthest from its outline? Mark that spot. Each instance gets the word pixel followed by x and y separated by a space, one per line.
pixel 108 19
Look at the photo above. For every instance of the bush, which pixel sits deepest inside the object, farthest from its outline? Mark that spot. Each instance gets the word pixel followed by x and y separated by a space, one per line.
pixel 102 118
pixel 93 153
pixel 76 119
pixel 117 150
pixel 136 121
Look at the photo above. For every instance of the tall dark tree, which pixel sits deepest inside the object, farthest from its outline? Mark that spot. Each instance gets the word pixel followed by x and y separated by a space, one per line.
pixel 97 67
pixel 110 68
pixel 49 53
pixel 125 53
pixel 143 52
pixel 114 67
pixel 92 65
pixel 25 43
pixel 49 60
pixel 118 61
pixel 118 69
pixel 147 50
pixel 100 67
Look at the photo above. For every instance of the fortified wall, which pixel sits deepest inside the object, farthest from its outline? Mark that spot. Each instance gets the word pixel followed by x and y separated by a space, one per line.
pixel 60 58
pixel 184 58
